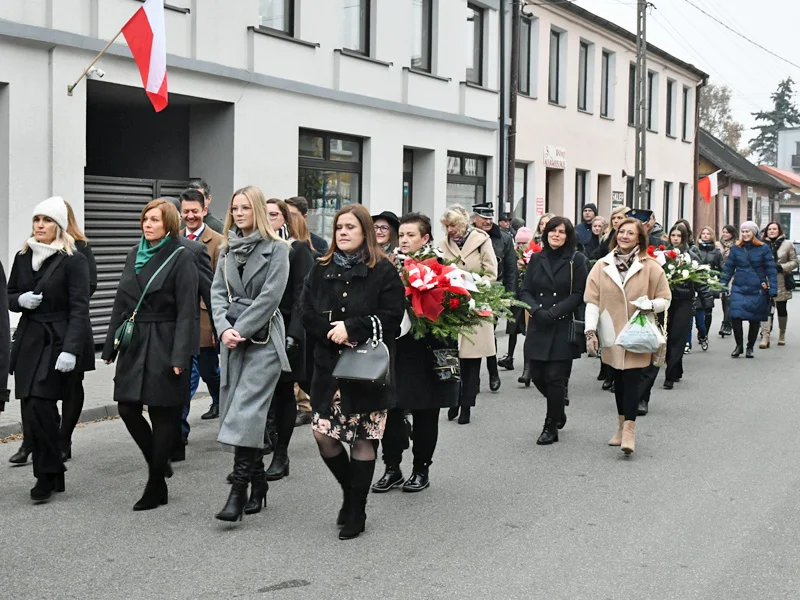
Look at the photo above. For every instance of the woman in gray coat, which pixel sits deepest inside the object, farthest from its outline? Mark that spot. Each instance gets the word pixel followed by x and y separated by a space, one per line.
pixel 252 272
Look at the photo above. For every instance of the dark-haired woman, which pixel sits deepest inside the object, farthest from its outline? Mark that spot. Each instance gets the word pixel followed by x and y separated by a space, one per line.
pixel 708 253
pixel 751 268
pixel 49 285
pixel 785 257
pixel 554 285
pixel 154 369
pixel 387 227
pixel 350 288
pixel 727 240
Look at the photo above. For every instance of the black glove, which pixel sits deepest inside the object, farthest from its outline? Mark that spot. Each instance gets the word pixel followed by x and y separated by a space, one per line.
pixel 292 347
pixel 543 317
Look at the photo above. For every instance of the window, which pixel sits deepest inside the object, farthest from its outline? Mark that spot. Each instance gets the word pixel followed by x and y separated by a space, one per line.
pixel 671 107
pixel 649 184
pixel 475 44
pixel 686 102
pixel 466 180
pixel 606 83
pixel 583 75
pixel 422 38
pixel 667 202
pixel 581 178
pixel 277 14
pixel 525 56
pixel 632 95
pixel 750 208
pixel 737 209
pixel 681 202
pixel 329 176
pixel 630 192
pixel 520 206
pixel 554 82
pixel 408 180
pixel 652 100
pixel 356 25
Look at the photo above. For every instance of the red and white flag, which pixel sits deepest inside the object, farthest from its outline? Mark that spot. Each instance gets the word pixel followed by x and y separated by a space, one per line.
pixel 708 187
pixel 146 35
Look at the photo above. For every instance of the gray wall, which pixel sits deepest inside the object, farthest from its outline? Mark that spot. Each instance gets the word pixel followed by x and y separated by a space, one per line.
pixel 211 137
pixel 4 181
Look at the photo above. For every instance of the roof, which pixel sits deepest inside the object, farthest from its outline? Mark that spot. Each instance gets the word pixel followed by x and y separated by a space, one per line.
pixel 734 164
pixel 624 33
pixel 789 178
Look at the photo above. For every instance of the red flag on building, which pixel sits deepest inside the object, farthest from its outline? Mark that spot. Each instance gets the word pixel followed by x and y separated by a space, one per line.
pixel 708 187
pixel 146 35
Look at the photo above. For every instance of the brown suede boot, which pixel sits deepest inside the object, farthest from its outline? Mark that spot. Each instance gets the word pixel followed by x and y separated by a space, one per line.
pixel 782 327
pixel 629 437
pixel 617 439
pixel 765 330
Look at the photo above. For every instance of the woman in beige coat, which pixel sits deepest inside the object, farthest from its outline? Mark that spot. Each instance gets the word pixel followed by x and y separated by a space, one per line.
pixel 785 257
pixel 626 274
pixel 471 250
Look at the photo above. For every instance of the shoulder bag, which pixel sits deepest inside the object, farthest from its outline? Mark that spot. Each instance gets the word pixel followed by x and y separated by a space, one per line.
pixel 577 327
pixel 237 306
pixel 124 333
pixel 366 363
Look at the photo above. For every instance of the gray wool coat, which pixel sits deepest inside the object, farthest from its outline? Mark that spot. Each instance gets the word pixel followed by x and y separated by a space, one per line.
pixel 250 372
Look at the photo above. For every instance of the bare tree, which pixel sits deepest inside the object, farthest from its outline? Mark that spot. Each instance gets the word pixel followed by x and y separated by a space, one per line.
pixel 716 117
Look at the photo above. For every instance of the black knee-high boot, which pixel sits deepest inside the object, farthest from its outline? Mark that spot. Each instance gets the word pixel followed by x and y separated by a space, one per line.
pixel 361 472
pixel 259 487
pixel 339 465
pixel 243 461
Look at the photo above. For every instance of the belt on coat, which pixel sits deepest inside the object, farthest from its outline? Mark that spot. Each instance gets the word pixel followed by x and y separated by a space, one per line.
pixel 47 317
pixel 155 317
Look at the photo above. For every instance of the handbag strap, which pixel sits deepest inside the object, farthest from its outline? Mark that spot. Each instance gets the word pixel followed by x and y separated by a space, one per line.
pixel 225 273
pixel 46 275
pixel 377 331
pixel 147 287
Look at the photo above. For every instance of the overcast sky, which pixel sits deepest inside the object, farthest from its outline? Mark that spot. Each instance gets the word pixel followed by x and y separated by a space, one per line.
pixel 685 32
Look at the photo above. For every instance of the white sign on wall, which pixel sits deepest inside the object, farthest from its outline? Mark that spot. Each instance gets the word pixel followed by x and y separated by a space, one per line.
pixel 555 157
pixel 764 212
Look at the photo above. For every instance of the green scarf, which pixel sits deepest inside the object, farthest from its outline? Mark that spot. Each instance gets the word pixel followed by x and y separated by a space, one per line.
pixel 146 252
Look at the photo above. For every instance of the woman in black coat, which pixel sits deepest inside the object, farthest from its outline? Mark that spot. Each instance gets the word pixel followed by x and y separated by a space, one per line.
pixel 418 390
pixel 49 285
pixel 553 287
pixel 5 340
pixel 154 370
pixel 352 282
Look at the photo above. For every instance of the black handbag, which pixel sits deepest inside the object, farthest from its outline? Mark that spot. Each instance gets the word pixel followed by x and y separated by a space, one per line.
pixel 237 306
pixel 366 363
pixel 446 366
pixel 788 282
pixel 577 327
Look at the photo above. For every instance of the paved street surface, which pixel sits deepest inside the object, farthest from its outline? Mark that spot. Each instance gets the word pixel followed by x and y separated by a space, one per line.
pixel 706 508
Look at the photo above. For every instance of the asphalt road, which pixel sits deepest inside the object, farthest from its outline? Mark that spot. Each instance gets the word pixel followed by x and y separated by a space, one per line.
pixel 706 508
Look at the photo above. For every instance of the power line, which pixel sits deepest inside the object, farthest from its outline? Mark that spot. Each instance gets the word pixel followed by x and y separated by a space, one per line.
pixel 741 35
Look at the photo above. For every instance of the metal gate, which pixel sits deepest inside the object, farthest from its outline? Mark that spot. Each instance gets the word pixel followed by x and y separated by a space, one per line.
pixel 112 207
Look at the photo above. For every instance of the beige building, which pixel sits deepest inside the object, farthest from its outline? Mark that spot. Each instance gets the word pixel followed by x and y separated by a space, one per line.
pixel 575 139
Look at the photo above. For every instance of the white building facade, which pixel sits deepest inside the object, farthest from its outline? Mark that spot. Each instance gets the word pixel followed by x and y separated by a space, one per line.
pixel 575 139
pixel 789 150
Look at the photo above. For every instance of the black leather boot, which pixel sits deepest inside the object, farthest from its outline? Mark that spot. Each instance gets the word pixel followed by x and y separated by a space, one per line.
pixel 494 382
pixel 452 413
pixel 737 352
pixel 213 413
pixel 507 362
pixel 391 479
pixel 339 465
pixel 20 457
pixel 279 467
pixel 463 418
pixel 749 352
pixel 243 461
pixel 258 488
pixel 360 477
pixel 155 492
pixel 549 433
pixel 526 375
pixel 43 489
pixel 643 408
pixel 418 481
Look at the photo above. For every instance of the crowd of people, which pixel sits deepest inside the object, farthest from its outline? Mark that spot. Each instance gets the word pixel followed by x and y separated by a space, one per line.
pixel 268 315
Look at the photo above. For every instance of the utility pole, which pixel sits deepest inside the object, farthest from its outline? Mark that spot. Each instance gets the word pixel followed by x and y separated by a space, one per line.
pixel 516 12
pixel 640 115
pixel 501 180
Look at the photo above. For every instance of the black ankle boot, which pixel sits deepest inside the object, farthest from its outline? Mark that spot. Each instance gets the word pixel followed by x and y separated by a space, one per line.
pixel 243 461
pixel 418 481
pixel 452 413
pixel 258 488
pixel 549 433
pixel 737 352
pixel 339 465
pixel 279 467
pixel 20 457
pixel 463 418
pixel 43 488
pixel 391 479
pixel 155 492
pixel 360 477
pixel 507 362
pixel 526 375
pixel 749 352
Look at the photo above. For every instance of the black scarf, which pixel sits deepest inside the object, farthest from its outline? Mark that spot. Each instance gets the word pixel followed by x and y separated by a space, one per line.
pixel 775 245
pixel 347 261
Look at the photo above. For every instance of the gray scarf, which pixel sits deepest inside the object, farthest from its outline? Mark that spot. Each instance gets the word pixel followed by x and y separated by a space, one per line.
pixel 347 261
pixel 242 246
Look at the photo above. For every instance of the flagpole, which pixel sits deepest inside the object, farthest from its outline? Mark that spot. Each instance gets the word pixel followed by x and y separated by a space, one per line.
pixel 91 64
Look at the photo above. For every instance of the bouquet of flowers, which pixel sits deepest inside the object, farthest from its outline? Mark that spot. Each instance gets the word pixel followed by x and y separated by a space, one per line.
pixel 523 258
pixel 682 268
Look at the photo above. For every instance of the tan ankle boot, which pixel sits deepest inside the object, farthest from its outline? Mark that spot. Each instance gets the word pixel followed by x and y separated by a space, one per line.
pixel 764 335
pixel 782 327
pixel 617 439
pixel 628 437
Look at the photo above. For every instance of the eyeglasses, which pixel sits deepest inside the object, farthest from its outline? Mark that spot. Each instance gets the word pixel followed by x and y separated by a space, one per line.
pixel 381 228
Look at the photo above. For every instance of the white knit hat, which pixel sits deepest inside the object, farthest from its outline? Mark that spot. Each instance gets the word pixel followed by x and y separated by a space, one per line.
pixel 55 209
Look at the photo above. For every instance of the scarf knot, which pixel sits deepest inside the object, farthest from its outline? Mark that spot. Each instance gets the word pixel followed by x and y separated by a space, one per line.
pixel 622 261
pixel 347 261
pixel 242 246
pixel 145 252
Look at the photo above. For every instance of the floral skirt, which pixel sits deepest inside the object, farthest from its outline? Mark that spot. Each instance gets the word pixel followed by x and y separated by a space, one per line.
pixel 331 421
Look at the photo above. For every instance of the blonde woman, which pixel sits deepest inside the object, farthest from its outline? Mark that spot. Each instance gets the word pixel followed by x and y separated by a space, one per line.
pixel 618 215
pixel 471 249
pixel 543 221
pixel 252 272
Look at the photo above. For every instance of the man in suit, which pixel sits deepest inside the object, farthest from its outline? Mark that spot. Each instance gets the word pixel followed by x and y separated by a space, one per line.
pixel 210 220
pixel 300 205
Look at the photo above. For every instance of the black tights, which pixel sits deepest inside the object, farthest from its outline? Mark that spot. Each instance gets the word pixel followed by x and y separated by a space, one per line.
pixel 284 407
pixel 628 388
pixel 159 442
pixel 752 332
pixel 41 418
pixel 512 344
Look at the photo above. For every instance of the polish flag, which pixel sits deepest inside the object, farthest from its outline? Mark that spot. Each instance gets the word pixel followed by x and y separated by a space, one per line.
pixel 708 187
pixel 146 35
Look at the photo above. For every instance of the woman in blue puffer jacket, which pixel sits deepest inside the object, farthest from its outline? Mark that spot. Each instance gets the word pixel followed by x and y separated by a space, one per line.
pixel 751 267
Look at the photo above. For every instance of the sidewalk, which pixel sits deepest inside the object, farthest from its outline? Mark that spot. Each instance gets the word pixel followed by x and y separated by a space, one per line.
pixel 99 402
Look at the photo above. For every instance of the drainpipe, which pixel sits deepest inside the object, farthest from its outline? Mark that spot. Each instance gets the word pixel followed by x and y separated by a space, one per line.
pixel 501 179
pixel 695 204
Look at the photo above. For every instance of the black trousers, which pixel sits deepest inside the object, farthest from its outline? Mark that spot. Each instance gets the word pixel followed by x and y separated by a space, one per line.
pixel 425 434
pixel 628 391
pixel 158 442
pixel 726 308
pixel 470 381
pixel 282 412
pixel 491 361
pixel 678 328
pixel 752 332
pixel 71 409
pixel 551 378
pixel 649 376
pixel 41 416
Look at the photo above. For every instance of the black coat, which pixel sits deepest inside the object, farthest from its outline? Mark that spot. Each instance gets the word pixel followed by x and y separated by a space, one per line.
pixel 205 277
pixel 503 245
pixel 332 294
pixel 85 249
pixel 301 260
pixel 547 288
pixel 5 339
pixel 417 388
pixel 59 324
pixel 166 331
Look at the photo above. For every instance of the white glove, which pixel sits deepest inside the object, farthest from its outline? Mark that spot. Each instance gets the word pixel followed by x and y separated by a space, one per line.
pixel 66 362
pixel 30 301
pixel 643 303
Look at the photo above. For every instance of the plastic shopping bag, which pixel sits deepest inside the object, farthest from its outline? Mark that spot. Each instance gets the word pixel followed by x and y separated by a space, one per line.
pixel 640 335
